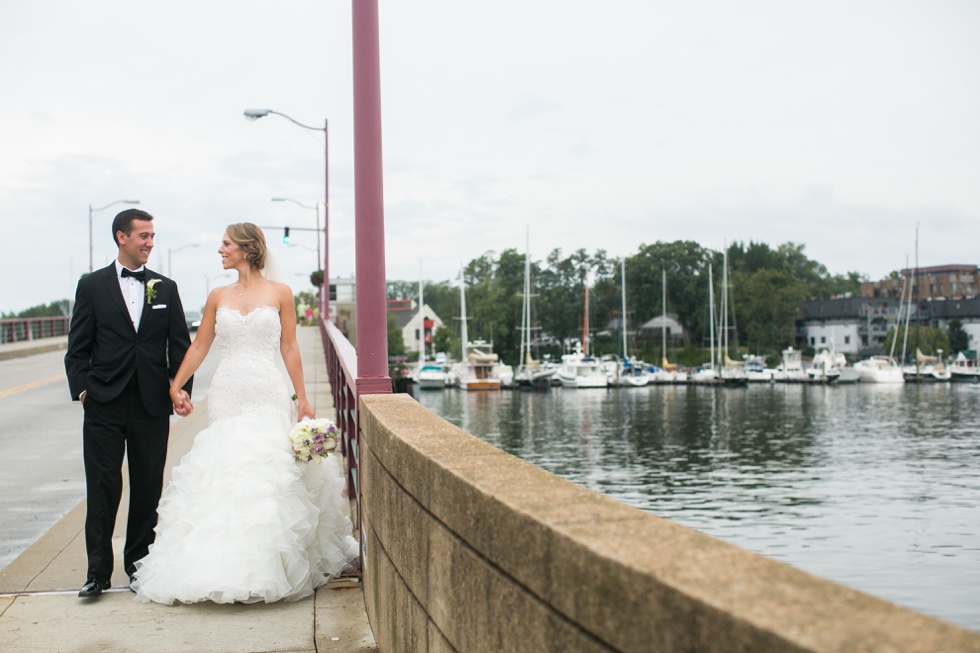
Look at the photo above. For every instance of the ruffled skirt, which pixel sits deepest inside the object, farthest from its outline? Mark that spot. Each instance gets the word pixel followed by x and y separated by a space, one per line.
pixel 242 521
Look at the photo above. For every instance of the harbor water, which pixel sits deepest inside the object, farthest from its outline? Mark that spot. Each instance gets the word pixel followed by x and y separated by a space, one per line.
pixel 871 485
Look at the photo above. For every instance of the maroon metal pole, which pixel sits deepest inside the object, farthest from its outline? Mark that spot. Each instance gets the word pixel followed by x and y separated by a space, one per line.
pixel 369 227
pixel 325 288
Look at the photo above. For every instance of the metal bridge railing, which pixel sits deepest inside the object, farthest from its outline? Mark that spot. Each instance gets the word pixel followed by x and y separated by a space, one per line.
pixel 32 328
pixel 342 374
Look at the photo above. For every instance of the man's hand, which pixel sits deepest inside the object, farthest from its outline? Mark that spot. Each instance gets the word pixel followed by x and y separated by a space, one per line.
pixel 182 402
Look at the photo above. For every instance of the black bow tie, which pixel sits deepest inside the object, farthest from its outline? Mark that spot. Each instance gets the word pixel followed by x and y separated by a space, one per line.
pixel 139 276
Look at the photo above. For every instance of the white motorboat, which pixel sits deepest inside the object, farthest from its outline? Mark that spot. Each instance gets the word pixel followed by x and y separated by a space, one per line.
pixel 790 369
pixel 965 369
pixel 825 366
pixel 578 370
pixel 879 369
pixel 756 370
pixel 431 377
pixel 479 367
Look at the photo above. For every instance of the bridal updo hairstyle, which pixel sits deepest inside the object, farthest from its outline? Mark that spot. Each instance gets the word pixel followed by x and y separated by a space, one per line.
pixel 252 241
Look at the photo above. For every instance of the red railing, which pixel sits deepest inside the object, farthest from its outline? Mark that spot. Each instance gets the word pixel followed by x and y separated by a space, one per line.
pixel 342 374
pixel 32 328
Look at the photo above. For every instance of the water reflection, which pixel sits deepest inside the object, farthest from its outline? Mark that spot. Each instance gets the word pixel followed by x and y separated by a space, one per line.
pixel 874 486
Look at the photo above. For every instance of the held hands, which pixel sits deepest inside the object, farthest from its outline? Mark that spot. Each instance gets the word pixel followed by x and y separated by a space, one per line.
pixel 182 401
pixel 304 410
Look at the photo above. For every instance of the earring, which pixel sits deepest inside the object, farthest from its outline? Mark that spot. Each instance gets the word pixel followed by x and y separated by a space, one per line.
pixel 246 256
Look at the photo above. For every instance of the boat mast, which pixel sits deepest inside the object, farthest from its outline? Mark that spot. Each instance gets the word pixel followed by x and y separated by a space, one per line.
pixel 526 307
pixel 908 314
pixel 622 266
pixel 711 317
pixel 663 311
pixel 901 313
pixel 422 316
pixel 585 319
pixel 723 323
pixel 464 333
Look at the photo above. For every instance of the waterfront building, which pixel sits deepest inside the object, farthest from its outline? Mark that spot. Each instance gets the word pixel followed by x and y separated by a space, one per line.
pixel 857 326
pixel 652 330
pixel 343 307
pixel 936 282
pixel 410 320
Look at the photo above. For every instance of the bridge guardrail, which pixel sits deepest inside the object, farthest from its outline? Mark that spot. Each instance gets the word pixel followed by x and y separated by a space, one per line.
pixel 32 328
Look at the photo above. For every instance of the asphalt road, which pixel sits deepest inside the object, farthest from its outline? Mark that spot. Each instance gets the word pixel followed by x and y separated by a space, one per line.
pixel 41 473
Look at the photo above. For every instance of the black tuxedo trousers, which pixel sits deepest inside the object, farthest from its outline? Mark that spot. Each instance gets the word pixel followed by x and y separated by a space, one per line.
pixel 125 373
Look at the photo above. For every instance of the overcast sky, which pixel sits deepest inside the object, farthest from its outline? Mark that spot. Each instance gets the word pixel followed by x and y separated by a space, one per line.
pixel 838 125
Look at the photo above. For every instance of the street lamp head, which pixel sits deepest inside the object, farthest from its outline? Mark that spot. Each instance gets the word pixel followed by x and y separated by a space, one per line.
pixel 130 201
pixel 255 114
pixel 278 199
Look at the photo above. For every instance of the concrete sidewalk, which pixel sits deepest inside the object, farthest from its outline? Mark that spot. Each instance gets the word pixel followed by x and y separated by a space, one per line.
pixel 41 612
pixel 30 347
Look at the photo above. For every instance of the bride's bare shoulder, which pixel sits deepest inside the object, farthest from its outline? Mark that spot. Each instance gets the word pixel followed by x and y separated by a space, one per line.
pixel 282 293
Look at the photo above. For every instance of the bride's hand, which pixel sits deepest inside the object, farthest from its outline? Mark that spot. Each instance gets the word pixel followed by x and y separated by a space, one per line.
pixel 303 409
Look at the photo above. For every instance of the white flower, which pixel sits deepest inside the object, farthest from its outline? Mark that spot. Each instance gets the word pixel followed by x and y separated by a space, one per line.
pixel 313 439
pixel 151 292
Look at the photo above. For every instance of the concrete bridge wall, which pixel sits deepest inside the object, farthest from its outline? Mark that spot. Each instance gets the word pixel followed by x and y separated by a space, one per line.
pixel 470 549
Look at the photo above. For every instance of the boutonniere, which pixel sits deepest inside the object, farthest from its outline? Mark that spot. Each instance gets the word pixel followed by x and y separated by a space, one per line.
pixel 151 291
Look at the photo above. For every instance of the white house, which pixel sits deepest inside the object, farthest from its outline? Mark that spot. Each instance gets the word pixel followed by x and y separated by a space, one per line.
pixel 411 322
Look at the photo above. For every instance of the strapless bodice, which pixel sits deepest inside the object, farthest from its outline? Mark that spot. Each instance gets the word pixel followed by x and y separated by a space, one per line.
pixel 249 374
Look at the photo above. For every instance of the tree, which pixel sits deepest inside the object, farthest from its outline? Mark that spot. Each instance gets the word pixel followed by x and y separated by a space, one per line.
pixel 926 339
pixel 396 341
pixel 958 338
pixel 768 302
pixel 60 308
pixel 445 340
pixel 401 289
pixel 686 267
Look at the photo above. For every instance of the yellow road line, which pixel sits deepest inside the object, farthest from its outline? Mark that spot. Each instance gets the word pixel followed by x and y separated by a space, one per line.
pixel 30 386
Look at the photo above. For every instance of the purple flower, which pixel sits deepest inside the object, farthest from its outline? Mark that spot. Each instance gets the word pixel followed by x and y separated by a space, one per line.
pixel 318 437
pixel 317 448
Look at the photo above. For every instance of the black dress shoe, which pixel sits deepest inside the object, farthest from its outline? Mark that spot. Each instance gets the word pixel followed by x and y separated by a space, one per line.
pixel 132 579
pixel 93 588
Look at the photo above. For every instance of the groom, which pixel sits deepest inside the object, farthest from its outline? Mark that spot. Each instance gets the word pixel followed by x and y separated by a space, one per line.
pixel 127 339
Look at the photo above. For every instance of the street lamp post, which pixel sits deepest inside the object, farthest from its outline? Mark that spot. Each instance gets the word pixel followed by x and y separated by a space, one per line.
pixel 208 280
pixel 255 114
pixel 170 265
pixel 90 212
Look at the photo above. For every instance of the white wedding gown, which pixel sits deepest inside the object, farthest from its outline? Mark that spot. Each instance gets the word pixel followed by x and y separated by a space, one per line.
pixel 242 520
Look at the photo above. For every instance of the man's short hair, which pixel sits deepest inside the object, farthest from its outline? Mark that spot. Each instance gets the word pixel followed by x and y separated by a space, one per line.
pixel 124 222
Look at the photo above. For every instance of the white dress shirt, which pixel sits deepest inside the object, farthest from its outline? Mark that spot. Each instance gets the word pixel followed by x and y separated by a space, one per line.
pixel 134 294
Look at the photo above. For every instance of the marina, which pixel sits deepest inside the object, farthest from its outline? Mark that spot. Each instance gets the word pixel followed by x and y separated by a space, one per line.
pixel 870 485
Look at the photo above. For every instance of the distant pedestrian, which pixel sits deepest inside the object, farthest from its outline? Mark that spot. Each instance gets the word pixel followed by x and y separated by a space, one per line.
pixel 127 339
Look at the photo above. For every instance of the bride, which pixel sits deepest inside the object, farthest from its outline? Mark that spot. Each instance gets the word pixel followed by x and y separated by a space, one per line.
pixel 242 520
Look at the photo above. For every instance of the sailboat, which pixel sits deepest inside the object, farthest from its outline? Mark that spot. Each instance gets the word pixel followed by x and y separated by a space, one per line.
pixel 530 373
pixel 926 369
pixel 478 367
pixel 624 371
pixel 732 373
pixel 668 372
pixel 579 369
pixel 880 368
pixel 707 375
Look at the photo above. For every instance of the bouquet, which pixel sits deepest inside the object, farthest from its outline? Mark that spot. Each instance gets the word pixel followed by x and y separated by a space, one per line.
pixel 313 438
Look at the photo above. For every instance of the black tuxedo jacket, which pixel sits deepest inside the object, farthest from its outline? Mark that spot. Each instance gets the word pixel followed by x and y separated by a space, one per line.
pixel 104 351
